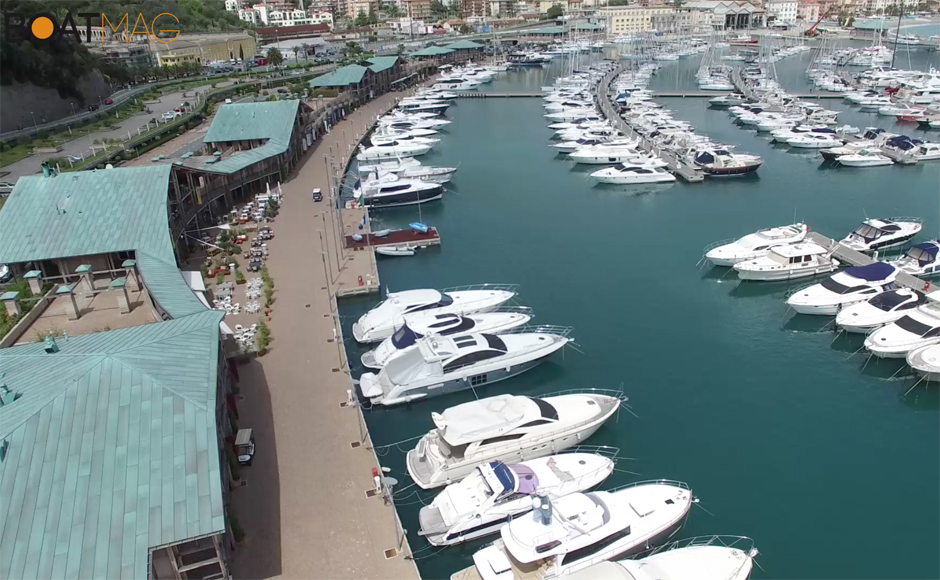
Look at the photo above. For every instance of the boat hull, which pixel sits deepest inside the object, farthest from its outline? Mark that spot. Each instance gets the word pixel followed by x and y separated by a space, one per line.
pixel 408 198
pixel 781 275
pixel 729 171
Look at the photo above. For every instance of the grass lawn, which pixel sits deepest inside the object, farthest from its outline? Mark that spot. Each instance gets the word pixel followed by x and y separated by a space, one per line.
pixel 14 154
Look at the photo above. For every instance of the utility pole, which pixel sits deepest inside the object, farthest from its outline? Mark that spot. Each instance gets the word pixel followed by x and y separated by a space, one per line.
pixel 897 33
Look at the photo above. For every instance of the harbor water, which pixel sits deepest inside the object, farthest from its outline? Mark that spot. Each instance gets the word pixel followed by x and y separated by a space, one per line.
pixel 785 431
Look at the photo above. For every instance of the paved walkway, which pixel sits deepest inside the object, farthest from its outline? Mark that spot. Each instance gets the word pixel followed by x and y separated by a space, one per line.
pixel 304 509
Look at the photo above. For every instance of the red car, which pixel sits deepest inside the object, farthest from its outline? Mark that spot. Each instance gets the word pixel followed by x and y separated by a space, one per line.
pixel 108 102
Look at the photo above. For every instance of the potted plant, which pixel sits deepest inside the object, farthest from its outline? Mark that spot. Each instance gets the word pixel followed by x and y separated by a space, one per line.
pixel 220 277
pixel 239 277
pixel 263 337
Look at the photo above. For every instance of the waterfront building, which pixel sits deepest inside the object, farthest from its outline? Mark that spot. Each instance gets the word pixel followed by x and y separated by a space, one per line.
pixel 808 10
pixel 634 19
pixel 417 9
pixel 473 9
pixel 781 11
pixel 275 34
pixel 113 456
pixel 727 15
pixel 364 81
pixel 127 54
pixel 203 48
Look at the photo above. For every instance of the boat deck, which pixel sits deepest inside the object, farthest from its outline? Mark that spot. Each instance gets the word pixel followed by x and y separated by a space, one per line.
pixel 856 258
pixel 399 238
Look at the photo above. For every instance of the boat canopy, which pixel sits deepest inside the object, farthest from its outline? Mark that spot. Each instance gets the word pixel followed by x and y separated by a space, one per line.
pixel 528 482
pixel 705 158
pixel 869 232
pixel 872 133
pixel 404 337
pixel 505 479
pixel 872 272
pixel 924 253
pixel 903 142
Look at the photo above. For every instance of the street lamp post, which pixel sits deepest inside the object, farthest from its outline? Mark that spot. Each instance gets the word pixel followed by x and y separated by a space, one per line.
pixel 35 124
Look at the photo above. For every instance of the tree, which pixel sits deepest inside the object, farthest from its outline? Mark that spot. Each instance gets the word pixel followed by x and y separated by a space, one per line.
pixel 464 29
pixel 362 19
pixel 401 50
pixel 275 58
pixel 555 12
pixel 373 19
pixel 438 10
pixel 352 50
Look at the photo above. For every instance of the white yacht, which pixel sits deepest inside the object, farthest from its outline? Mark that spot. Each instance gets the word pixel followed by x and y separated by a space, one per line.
pixel 605 154
pixel 423 106
pixel 416 326
pixel 562 536
pixel 864 158
pixel 495 493
pixel 456 84
pixel 725 101
pixel 447 364
pixel 814 141
pixel 572 114
pixel 728 253
pixel 919 327
pixel 392 149
pixel 881 309
pixel 403 122
pixel 380 322
pixel 927 152
pixel 701 558
pixel 410 168
pixel 579 143
pixel 390 190
pixel 624 174
pixel 843 289
pixel 506 428
pixel 920 260
pixel 403 137
pixel 723 163
pixel 788 262
pixel 926 361
pixel 882 234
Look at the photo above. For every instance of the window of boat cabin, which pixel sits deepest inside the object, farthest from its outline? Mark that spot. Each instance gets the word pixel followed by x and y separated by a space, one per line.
pixel 391 188
pixel 500 439
pixel 887 301
pixel 444 301
pixel 919 328
pixel 471 358
pixel 593 549
pixel 545 408
pixel 465 325
pixel 455 451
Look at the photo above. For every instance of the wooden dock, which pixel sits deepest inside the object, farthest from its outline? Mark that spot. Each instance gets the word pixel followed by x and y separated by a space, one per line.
pixel 855 258
pixel 399 239
pixel 656 94
pixel 675 165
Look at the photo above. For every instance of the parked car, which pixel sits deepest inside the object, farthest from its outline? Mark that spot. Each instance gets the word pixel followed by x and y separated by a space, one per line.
pixel 108 102
pixel 317 195
pixel 75 159
pixel 5 273
pixel 170 115
pixel 6 188
pixel 92 107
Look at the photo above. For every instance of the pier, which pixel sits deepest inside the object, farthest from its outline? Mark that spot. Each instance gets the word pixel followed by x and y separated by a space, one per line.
pixel 656 95
pixel 397 239
pixel 856 258
pixel 675 165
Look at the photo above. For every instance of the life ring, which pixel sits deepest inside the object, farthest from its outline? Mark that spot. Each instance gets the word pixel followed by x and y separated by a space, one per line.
pixel 926 285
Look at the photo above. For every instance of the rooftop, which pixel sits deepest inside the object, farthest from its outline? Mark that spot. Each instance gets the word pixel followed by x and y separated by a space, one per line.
pixel 380 63
pixel 342 77
pixel 271 121
pixel 432 51
pixel 110 450
pixel 463 45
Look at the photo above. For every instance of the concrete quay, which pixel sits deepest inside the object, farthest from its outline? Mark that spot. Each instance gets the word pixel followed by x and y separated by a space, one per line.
pixel 304 507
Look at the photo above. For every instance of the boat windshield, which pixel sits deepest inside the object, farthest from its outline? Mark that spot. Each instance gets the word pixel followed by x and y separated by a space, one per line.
pixel 404 337
pixel 868 232
pixel 922 255
pixel 887 301
pixel 919 328
pixel 833 286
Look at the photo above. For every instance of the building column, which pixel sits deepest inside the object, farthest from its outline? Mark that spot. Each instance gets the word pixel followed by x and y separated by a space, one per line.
pixel 123 301
pixel 11 303
pixel 34 278
pixel 84 271
pixel 67 290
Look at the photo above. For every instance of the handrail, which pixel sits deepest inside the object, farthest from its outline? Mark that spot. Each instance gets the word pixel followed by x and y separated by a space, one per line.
pixel 614 393
pixel 717 244
pixel 563 331
pixel 468 287
pixel 671 482
pixel 743 543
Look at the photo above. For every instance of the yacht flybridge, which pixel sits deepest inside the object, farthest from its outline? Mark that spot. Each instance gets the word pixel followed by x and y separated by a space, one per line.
pixel 573 532
pixel 393 149
pixel 506 428
pixel 751 246
pixel 701 558
pixel 447 364
pixel 789 262
pixel 418 325
pixel 380 322
pixel 919 327
pixel 496 492
pixel 389 190
pixel 881 309
pixel 882 234
pixel 844 289
pixel 410 168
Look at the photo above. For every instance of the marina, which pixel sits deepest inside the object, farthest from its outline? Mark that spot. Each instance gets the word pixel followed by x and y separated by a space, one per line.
pixel 504 178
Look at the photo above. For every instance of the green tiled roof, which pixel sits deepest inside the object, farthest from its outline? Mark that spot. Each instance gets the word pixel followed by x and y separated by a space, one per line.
pixel 99 212
pixel 244 121
pixel 380 63
pixel 112 451
pixel 342 77
pixel 587 26
pixel 432 51
pixel 546 30
pixel 463 45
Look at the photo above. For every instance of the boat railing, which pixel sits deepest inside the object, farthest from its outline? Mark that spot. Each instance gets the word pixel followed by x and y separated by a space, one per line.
pixel 614 393
pixel 714 245
pixel 671 482
pixel 514 309
pixel 917 220
pixel 541 329
pixel 468 287
pixel 602 450
pixel 742 543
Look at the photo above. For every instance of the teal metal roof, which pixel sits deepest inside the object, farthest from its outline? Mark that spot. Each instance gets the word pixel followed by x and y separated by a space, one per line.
pixel 432 51
pixel 99 212
pixel 380 63
pixel 463 45
pixel 342 77
pixel 245 121
pixel 112 451
pixel 587 26
pixel 546 30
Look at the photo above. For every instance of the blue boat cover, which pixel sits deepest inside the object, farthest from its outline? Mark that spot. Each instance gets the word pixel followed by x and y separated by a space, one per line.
pixel 418 226
pixel 505 475
pixel 872 272
pixel 925 253
pixel 404 337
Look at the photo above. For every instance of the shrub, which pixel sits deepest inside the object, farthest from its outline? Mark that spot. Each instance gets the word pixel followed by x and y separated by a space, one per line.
pixel 239 276
pixel 263 338
pixel 220 277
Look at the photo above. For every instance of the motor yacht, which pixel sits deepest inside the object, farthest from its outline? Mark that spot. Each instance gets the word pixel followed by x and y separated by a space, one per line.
pixel 410 168
pixel 392 149
pixel 701 558
pixel 423 106
pixel 927 152
pixel 874 103
pixel 496 492
pixel 624 174
pixel 919 327
pixel 390 190
pixel 725 101
pixel 381 321
pixel 864 158
pixel 920 260
pixel 789 262
pixel 416 326
pixel 846 149
pixel 572 114
pixel 555 106
pixel 446 364
pixel 581 143
pixel 926 362
pixel 402 138
pixel 814 141
pixel 843 289
pixel 407 122
pixel 605 154
pixel 456 84
pixel 575 531
pixel 882 234
pixel 507 428
pixel 881 309
pixel 787 133
pixel 723 163
pixel 751 246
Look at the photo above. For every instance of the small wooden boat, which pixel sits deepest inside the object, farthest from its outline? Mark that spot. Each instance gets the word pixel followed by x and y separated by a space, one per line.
pixel 395 251
pixel 418 227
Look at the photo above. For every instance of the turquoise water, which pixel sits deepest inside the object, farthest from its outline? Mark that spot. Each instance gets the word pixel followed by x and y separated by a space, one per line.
pixel 921 29
pixel 785 436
